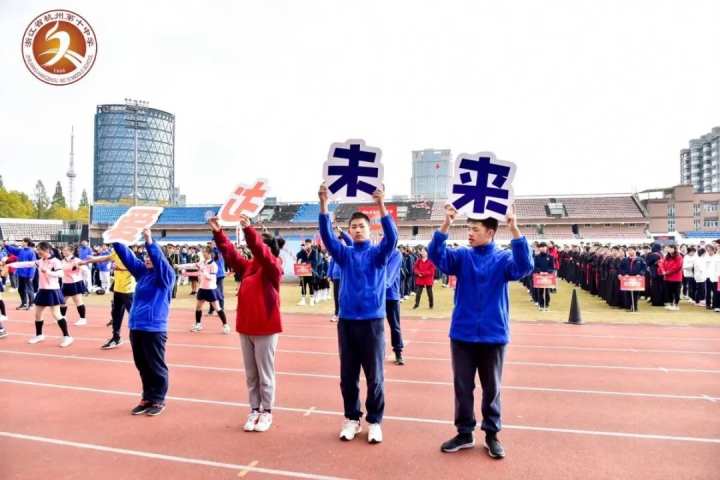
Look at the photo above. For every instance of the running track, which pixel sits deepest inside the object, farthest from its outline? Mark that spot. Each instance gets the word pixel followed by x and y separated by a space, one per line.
pixel 591 401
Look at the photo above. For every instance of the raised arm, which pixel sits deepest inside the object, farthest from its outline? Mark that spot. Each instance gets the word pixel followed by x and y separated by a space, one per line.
pixel 163 271
pixel 259 250
pixel 100 259
pixel 12 249
pixel 134 265
pixel 333 245
pixel 445 259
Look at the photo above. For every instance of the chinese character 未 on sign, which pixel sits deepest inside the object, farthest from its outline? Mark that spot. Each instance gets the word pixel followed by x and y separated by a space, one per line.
pixel 353 171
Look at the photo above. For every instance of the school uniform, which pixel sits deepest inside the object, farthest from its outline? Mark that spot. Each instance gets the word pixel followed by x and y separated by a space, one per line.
pixel 392 300
pixel 25 276
pixel 149 317
pixel 544 263
pixel 479 329
pixel 635 267
pixel 361 333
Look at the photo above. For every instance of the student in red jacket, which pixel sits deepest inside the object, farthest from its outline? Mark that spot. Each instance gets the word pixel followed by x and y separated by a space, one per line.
pixel 258 315
pixel 672 269
pixel 424 277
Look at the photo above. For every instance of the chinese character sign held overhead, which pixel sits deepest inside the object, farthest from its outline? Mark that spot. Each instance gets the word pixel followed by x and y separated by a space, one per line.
pixel 130 225
pixel 244 200
pixel 353 171
pixel 482 186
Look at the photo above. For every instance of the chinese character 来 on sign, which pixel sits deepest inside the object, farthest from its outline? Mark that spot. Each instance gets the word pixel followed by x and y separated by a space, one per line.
pixel 482 186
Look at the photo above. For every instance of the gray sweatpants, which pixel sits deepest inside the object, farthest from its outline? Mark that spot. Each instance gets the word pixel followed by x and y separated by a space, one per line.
pixel 259 357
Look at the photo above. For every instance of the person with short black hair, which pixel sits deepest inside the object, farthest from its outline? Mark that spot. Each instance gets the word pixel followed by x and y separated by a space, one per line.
pixel 25 276
pixel 424 271
pixel 307 256
pixel 479 330
pixel 361 329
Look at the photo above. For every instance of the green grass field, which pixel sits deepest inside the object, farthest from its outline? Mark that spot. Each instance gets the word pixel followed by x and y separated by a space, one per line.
pixel 593 309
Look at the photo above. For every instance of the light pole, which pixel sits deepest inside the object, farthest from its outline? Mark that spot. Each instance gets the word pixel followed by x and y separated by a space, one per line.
pixel 135 120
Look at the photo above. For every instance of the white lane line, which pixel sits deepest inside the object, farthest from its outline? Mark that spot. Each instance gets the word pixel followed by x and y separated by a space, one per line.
pixel 386 417
pixel 387 380
pixel 169 458
pixel 443 331
pixel 309 412
pixel 315 352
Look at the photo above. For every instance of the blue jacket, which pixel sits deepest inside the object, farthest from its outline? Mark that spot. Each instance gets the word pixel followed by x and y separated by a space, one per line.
pixel 481 313
pixel 544 263
pixel 103 266
pixel 220 263
pixel 153 291
pixel 392 276
pixel 23 254
pixel 84 252
pixel 334 270
pixel 362 285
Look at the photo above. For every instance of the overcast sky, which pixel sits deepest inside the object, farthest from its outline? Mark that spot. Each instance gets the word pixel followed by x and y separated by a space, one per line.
pixel 585 96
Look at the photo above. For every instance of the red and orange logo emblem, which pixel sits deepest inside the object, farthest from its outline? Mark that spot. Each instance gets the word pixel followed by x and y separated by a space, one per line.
pixel 59 47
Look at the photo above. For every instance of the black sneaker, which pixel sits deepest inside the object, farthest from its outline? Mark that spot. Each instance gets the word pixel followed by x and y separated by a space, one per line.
pixel 494 448
pixel 21 307
pixel 399 359
pixel 458 442
pixel 141 408
pixel 112 343
pixel 155 409
pixel 415 306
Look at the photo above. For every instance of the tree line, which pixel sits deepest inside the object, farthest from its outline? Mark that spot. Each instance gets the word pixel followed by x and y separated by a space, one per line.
pixel 14 204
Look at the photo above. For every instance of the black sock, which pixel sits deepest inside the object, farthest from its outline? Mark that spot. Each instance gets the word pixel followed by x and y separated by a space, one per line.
pixel 81 310
pixel 221 314
pixel 2 308
pixel 38 327
pixel 198 316
pixel 62 323
pixel 267 411
pixel 63 310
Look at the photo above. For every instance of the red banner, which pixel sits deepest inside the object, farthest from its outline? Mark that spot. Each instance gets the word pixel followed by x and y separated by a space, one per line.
pixel 544 280
pixel 303 270
pixel 632 283
pixel 373 212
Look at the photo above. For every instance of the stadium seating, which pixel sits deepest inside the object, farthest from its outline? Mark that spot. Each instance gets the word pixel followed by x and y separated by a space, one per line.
pixel 15 229
pixel 308 213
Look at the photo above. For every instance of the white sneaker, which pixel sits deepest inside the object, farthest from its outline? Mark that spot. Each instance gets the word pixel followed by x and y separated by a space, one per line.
pixel 3 333
pixel 264 422
pixel 350 429
pixel 66 342
pixel 374 433
pixel 251 421
pixel 334 318
pixel 312 301
pixel 226 329
pixel 36 339
pixel 301 303
pixel 196 328
pixel 81 322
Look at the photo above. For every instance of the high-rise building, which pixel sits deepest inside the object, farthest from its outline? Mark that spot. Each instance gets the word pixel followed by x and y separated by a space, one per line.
pixel 700 163
pixel 134 160
pixel 431 172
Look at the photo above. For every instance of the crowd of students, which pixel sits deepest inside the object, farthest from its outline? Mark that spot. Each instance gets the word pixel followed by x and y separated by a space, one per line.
pixel 671 273
pixel 369 281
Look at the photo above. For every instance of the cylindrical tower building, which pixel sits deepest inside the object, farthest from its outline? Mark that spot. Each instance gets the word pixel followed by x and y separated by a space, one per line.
pixel 134 151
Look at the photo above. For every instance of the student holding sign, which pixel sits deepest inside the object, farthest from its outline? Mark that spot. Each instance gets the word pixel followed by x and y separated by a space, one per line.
pixel 361 330
pixel 479 330
pixel 544 264
pixel 148 320
pixel 634 266
pixel 258 318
